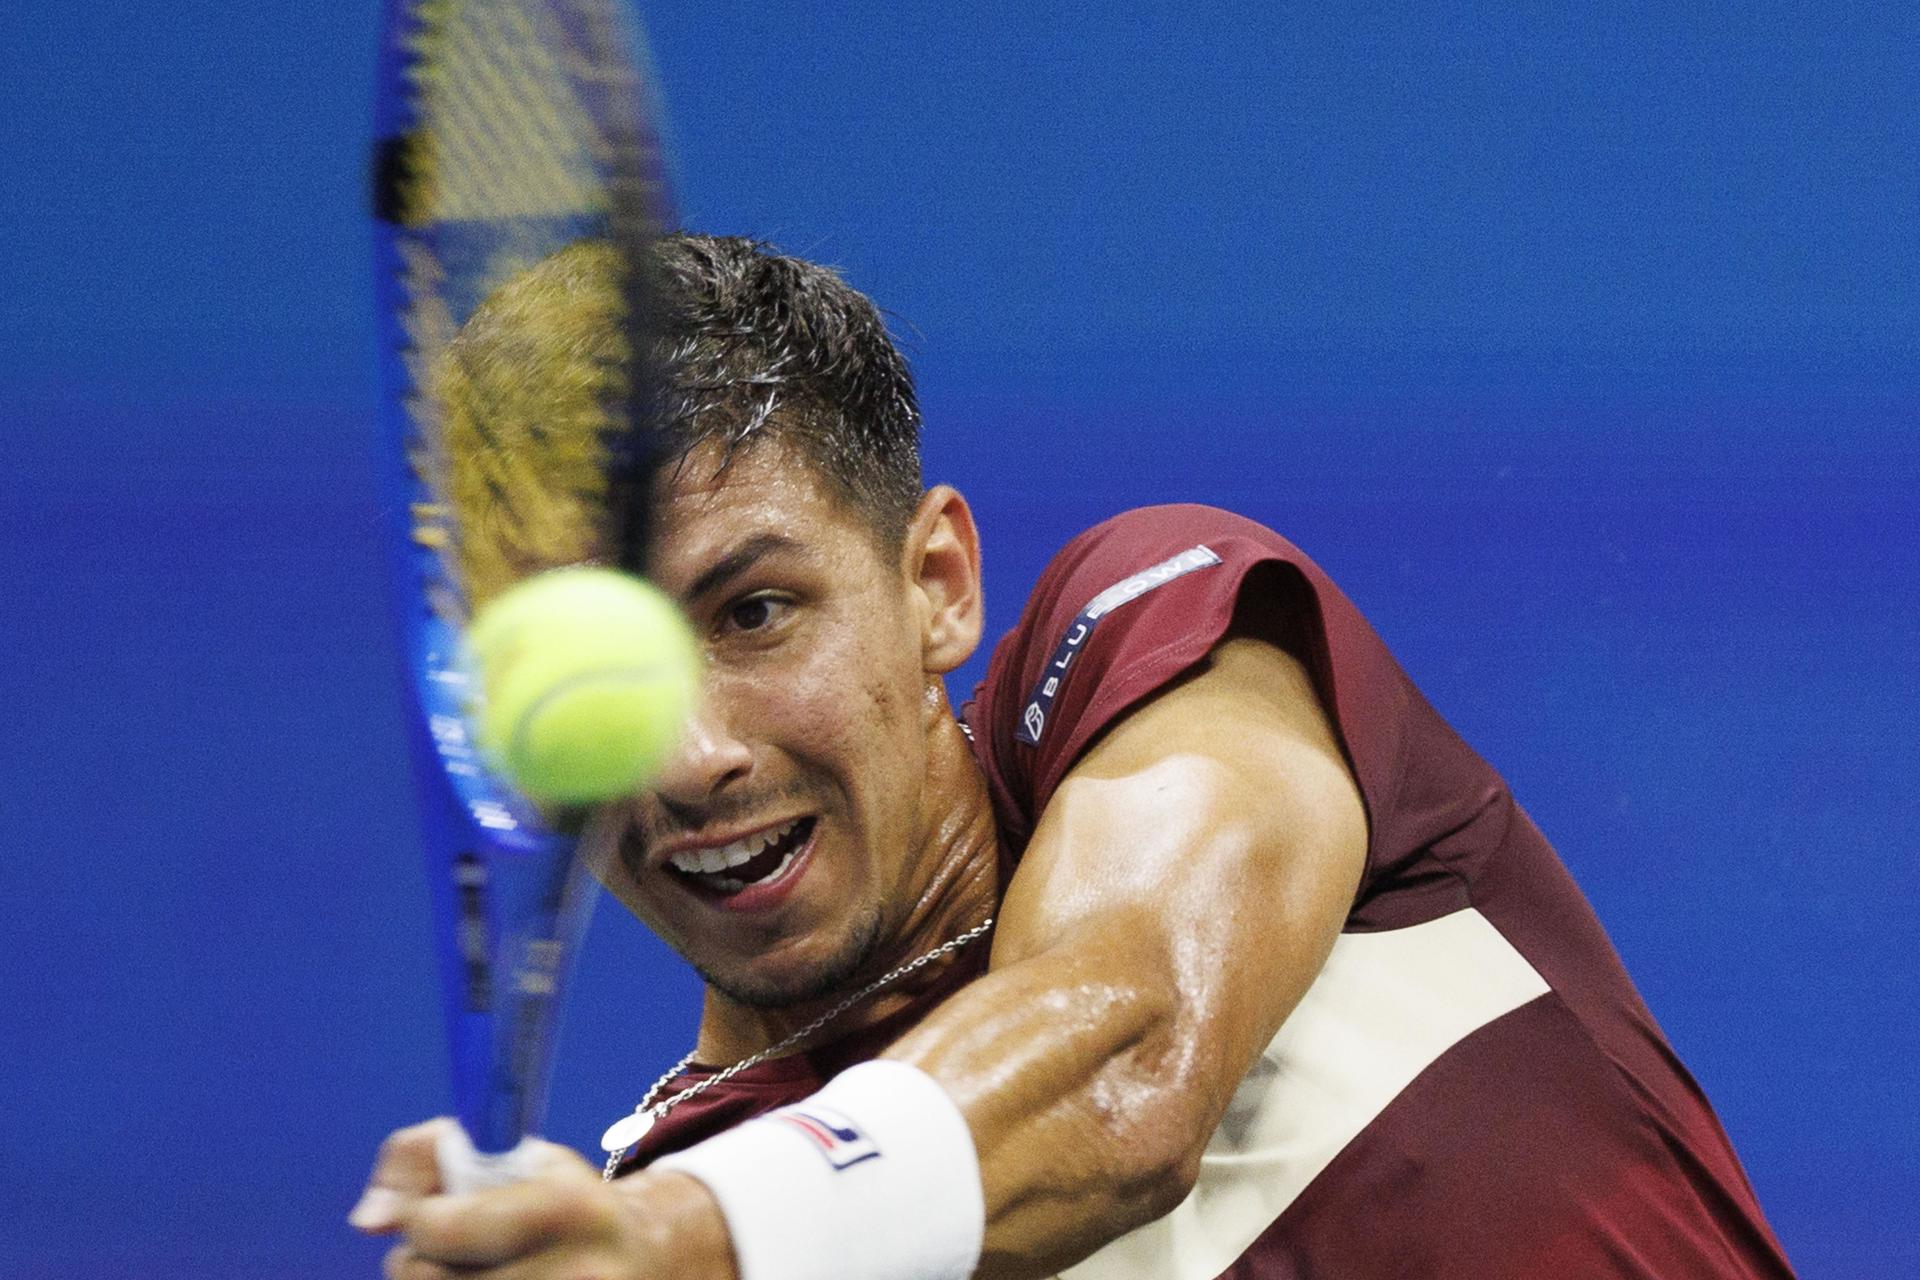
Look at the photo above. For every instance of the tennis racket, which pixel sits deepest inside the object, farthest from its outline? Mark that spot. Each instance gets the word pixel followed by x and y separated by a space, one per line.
pixel 517 185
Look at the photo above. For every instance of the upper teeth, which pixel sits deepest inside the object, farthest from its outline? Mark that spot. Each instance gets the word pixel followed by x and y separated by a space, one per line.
pixel 713 861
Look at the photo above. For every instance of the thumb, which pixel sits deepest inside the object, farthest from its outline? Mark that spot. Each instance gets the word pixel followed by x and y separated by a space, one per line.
pixel 406 1169
pixel 464 1170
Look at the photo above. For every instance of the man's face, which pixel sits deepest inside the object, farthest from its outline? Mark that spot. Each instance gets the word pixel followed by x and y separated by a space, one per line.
pixel 780 847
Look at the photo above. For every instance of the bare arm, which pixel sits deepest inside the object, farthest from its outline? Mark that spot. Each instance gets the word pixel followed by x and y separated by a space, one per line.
pixel 1178 897
pixel 1181 892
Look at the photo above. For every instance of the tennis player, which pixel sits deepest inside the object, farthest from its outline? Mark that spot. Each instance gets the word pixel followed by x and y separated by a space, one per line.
pixel 1196 944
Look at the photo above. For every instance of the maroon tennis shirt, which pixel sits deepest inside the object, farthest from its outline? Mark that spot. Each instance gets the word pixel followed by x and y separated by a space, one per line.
pixel 1472 1087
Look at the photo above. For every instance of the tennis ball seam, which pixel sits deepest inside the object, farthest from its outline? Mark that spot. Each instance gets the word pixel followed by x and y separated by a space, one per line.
pixel 517 742
pixel 586 677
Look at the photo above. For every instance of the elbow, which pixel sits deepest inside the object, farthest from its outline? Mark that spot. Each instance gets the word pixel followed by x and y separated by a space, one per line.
pixel 1154 1113
pixel 1156 1138
pixel 1169 1175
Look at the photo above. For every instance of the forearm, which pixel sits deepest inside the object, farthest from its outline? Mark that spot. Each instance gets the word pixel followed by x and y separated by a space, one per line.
pixel 1087 1115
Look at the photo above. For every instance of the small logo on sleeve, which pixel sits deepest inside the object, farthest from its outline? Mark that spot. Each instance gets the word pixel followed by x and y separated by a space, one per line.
pixel 1033 719
pixel 837 1138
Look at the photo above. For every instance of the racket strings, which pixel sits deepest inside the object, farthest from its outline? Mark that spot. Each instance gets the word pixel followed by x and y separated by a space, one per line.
pixel 531 394
pixel 530 194
pixel 511 135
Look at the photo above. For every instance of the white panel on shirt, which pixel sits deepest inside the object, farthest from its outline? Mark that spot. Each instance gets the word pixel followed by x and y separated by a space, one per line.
pixel 1384 1008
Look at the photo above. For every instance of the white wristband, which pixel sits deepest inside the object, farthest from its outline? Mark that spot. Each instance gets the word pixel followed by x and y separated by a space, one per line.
pixel 872 1178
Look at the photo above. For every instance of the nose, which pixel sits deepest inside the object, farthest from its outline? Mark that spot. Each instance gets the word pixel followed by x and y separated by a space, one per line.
pixel 707 758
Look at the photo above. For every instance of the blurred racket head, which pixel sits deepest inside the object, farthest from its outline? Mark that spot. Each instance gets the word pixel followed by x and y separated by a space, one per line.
pixel 518 183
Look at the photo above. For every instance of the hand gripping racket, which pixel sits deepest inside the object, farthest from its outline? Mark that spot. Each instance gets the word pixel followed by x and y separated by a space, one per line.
pixel 517 185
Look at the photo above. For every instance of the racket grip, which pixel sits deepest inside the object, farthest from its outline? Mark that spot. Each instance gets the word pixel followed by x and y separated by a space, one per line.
pixel 464 1169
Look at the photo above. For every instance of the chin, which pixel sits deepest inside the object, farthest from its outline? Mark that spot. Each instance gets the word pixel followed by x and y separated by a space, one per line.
pixel 803 985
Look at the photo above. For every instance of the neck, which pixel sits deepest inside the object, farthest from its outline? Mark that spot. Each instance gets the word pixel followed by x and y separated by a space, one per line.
pixel 957 889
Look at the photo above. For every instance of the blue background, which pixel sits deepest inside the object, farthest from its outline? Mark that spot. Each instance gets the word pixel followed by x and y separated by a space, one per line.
pixel 1576 341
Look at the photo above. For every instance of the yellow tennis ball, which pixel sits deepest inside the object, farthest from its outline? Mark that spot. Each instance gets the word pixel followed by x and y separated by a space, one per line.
pixel 586 678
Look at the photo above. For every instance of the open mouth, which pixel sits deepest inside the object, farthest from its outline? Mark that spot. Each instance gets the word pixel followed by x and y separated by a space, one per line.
pixel 754 860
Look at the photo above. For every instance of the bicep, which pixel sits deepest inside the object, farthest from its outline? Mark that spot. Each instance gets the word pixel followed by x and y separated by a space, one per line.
pixel 1211 841
pixel 1178 896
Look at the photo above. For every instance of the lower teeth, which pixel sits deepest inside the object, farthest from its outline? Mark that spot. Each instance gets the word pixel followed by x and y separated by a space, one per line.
pixel 727 884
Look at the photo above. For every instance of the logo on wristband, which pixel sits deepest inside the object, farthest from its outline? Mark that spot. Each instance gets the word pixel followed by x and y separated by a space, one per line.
pixel 836 1137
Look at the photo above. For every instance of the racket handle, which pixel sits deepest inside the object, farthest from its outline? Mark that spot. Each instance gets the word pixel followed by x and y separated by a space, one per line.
pixel 465 1169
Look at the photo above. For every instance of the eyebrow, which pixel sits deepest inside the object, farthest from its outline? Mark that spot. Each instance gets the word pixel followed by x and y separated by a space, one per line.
pixel 738 561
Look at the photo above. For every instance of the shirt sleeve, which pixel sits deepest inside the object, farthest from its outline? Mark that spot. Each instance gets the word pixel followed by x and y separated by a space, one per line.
pixel 1132 604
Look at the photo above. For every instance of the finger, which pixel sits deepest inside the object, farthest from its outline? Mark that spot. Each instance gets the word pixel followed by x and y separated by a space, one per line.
pixel 565 1202
pixel 402 1263
pixel 405 1170
pixel 601 1262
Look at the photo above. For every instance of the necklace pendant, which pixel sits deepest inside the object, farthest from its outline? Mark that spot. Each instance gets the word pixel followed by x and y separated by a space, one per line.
pixel 627 1130
pixel 623 1133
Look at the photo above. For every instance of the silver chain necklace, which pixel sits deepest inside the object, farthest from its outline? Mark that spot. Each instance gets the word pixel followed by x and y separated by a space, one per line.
pixel 625 1133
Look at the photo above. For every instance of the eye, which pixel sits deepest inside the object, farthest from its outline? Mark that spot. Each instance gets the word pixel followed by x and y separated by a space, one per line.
pixel 755 613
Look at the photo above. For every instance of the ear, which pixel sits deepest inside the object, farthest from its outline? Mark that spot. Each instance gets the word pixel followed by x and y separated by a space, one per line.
pixel 942 566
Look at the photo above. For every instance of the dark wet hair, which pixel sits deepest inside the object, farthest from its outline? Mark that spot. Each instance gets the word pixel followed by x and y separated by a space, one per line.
pixel 749 346
pixel 759 345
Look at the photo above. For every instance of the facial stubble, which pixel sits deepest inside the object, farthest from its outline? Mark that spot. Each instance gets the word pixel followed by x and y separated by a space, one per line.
pixel 854 954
